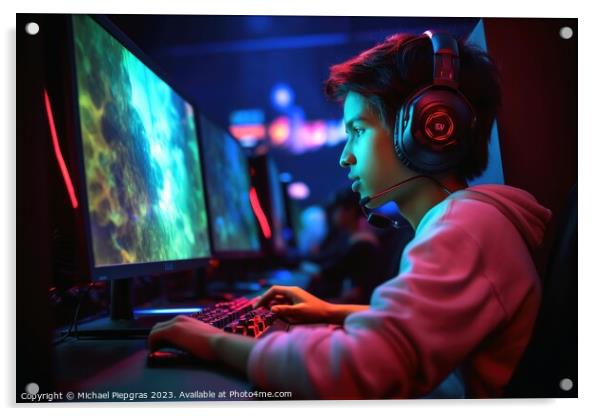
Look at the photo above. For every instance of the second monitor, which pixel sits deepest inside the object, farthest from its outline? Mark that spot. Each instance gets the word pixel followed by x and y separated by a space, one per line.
pixel 234 228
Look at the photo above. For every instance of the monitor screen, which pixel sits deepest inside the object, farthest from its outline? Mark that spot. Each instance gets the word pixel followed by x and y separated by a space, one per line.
pixel 233 224
pixel 145 196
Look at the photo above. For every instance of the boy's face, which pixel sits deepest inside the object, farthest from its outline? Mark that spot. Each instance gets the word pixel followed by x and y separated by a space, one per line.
pixel 369 153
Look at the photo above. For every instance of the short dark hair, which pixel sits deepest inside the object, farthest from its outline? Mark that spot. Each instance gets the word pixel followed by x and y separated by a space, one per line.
pixel 387 74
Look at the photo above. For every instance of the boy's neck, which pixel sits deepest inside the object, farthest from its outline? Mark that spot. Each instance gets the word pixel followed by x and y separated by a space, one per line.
pixel 427 196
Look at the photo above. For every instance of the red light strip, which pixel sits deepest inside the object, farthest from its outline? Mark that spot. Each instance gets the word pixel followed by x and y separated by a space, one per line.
pixel 58 153
pixel 263 221
pixel 256 131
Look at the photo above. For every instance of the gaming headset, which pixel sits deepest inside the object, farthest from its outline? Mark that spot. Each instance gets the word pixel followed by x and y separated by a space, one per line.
pixel 435 127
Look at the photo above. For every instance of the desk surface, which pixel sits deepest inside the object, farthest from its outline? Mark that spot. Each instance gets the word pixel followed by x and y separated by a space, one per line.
pixel 120 366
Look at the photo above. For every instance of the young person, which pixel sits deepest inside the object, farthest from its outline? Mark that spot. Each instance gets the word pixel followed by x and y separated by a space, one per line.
pixel 356 267
pixel 458 316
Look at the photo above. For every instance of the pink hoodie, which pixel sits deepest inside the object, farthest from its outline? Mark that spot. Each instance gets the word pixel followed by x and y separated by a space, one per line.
pixel 465 299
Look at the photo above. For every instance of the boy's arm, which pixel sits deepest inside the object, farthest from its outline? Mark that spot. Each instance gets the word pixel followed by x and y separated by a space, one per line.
pixel 233 349
pixel 210 343
pixel 299 306
pixel 338 313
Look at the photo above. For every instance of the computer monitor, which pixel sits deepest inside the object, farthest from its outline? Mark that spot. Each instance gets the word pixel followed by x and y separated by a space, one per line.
pixel 144 199
pixel 143 196
pixel 293 215
pixel 266 178
pixel 232 201
pixel 278 206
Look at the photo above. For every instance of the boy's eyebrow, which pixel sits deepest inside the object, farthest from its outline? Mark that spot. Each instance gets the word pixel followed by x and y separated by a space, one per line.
pixel 358 118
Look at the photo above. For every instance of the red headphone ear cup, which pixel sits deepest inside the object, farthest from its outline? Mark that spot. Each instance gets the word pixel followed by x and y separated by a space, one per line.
pixel 397 137
pixel 408 162
pixel 436 132
pixel 400 126
pixel 439 127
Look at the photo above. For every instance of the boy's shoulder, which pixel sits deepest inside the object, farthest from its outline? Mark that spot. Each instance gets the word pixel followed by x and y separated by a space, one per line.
pixel 471 215
pixel 489 212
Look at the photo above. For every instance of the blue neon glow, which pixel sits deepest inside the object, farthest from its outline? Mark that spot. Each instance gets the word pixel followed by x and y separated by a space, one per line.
pixel 282 96
pixel 249 116
pixel 166 311
pixel 286 177
pixel 264 44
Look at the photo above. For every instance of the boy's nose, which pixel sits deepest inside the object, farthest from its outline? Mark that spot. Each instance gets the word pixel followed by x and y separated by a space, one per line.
pixel 347 159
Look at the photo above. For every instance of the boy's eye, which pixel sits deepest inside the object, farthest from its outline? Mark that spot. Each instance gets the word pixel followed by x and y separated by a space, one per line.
pixel 356 131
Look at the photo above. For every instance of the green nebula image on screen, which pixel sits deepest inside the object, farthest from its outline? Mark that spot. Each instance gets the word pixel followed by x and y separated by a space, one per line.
pixel 233 223
pixel 141 156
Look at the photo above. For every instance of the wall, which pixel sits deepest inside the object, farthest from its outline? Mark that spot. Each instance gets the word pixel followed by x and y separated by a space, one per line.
pixel 538 120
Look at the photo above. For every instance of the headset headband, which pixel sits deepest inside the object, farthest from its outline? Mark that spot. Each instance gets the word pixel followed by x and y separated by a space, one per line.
pixel 446 59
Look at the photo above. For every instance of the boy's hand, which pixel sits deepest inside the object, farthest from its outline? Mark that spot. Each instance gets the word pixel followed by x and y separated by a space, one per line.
pixel 186 333
pixel 295 304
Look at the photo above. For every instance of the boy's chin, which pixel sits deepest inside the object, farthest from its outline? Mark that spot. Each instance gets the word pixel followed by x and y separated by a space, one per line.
pixel 374 204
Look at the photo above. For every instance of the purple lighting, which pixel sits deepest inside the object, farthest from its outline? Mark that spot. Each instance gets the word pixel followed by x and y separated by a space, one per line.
pixel 298 190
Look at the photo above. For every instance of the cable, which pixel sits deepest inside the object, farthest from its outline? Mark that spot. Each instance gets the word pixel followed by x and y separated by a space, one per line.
pixel 73 325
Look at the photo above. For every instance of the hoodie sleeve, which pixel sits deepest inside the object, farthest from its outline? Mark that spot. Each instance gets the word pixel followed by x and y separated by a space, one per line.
pixel 420 326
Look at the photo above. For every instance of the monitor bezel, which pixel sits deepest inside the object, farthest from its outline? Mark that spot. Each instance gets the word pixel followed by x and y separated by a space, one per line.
pixel 262 178
pixel 276 193
pixel 135 269
pixel 227 254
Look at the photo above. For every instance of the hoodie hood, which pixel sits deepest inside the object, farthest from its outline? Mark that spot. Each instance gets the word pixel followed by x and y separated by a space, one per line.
pixel 520 207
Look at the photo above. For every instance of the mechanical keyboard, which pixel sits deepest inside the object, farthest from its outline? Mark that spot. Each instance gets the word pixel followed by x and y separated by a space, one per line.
pixel 236 316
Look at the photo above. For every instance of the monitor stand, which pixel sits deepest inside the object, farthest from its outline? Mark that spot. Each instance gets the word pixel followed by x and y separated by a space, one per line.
pixel 121 322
